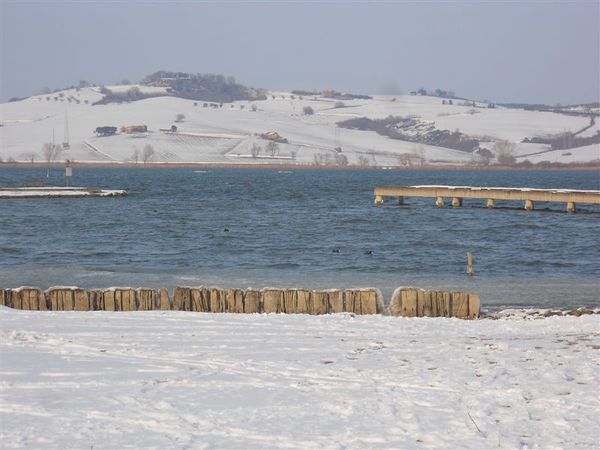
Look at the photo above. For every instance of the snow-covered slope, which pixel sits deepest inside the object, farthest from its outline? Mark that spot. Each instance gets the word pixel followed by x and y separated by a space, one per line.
pixel 29 123
pixel 190 380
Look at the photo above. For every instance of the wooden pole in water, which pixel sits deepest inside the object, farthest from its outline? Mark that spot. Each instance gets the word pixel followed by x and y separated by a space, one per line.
pixel 470 264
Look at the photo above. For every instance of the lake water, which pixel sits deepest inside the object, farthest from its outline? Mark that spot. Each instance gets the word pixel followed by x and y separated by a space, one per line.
pixel 283 228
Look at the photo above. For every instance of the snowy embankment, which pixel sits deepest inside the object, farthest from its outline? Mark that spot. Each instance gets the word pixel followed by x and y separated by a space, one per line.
pixel 191 380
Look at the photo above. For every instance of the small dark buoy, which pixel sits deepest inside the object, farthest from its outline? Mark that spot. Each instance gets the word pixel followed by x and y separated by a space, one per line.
pixel 226 230
pixel 368 252
pixel 335 250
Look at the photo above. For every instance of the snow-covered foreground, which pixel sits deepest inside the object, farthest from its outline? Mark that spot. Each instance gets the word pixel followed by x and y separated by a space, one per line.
pixel 189 380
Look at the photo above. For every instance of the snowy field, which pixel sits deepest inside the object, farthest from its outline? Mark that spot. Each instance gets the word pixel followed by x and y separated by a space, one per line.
pixel 189 380
pixel 227 134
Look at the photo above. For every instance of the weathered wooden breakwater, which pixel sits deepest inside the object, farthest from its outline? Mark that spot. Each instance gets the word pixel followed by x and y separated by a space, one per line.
pixel 408 302
pixel 490 194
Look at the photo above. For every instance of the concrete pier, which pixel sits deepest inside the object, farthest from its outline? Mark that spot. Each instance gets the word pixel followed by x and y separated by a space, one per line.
pixel 457 193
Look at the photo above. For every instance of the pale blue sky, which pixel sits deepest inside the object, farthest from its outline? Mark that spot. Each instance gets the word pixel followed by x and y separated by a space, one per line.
pixel 540 51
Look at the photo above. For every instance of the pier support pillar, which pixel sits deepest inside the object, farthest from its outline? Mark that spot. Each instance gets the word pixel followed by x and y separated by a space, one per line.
pixel 529 205
pixel 456 202
pixel 439 202
pixel 571 207
pixel 401 200
pixel 491 203
pixel 378 200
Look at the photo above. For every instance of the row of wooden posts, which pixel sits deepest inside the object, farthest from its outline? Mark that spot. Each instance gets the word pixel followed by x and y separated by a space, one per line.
pixel 407 302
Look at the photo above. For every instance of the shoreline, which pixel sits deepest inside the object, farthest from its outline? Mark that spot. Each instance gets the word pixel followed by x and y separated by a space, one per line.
pixel 278 166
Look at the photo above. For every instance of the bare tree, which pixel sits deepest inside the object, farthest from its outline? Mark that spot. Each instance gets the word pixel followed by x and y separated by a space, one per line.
pixel 418 154
pixel 50 152
pixel 148 153
pixel 421 153
pixel 273 148
pixel 504 152
pixel 179 118
pixel 341 160
pixel 255 150
pixel 484 156
pixel 254 108
pixel 135 156
pixel 405 159
pixel 308 111
pixel 363 161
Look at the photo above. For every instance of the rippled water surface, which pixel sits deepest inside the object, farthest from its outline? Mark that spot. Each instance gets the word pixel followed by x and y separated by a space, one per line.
pixel 283 228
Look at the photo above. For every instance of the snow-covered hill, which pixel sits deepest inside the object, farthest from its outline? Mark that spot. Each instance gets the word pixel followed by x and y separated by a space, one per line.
pixel 229 133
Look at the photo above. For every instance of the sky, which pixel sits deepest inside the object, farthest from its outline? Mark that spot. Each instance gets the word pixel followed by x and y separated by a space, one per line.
pixel 502 51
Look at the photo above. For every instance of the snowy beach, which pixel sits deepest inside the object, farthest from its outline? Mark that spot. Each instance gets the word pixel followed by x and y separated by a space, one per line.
pixel 191 380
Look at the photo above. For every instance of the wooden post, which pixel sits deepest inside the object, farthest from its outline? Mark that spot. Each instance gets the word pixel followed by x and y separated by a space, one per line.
pixel 571 207
pixel 491 203
pixel 272 300
pixel 470 264
pixel 289 301
pixel 460 305
pixel 474 306
pixel 409 303
pixel 125 300
pixel 368 301
pixel 439 202
pixel 217 300
pixel 81 300
pixel 440 304
pixel 145 299
pixel 378 200
pixel 108 298
pixel 318 302
pixel 302 301
pixel 181 299
pixel 251 301
pixel 4 299
pixel 235 300
pixel 401 200
pixel 529 205
pixel 28 298
pixel 164 304
pixel 61 299
pixel 424 304
pixel 336 302
pixel 199 299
